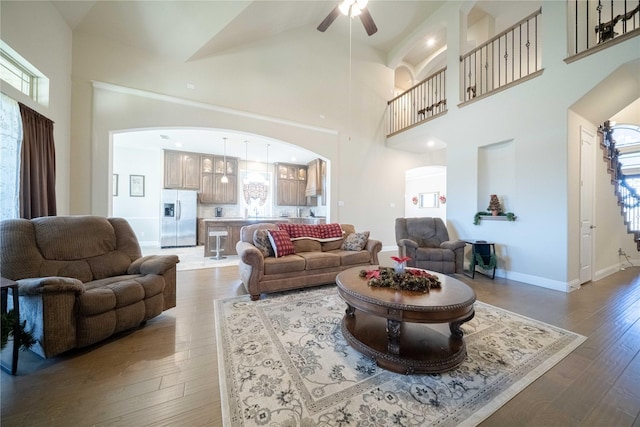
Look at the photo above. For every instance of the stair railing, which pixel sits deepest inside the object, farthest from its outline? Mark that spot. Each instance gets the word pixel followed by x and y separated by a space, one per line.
pixel 423 101
pixel 512 55
pixel 628 197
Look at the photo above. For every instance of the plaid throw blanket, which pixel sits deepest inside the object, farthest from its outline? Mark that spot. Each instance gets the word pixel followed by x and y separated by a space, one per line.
pixel 320 232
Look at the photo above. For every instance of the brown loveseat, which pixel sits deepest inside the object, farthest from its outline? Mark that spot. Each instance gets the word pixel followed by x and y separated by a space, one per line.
pixel 313 263
pixel 82 279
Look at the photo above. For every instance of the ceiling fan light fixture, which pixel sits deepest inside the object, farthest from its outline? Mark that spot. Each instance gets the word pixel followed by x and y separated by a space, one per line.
pixel 266 180
pixel 345 7
pixel 246 162
pixel 351 8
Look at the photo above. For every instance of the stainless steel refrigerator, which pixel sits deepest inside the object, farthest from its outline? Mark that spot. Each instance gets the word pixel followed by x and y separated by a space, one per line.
pixel 179 210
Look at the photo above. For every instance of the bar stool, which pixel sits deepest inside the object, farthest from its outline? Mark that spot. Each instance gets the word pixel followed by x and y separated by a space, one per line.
pixel 217 234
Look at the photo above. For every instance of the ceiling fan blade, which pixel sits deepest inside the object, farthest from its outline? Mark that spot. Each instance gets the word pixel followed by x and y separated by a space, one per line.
pixel 367 21
pixel 329 19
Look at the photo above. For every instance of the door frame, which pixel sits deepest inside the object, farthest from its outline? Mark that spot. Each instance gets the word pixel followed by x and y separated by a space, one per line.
pixel 587 174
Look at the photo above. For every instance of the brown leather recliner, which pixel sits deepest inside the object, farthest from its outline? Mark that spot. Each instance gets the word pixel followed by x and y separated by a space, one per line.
pixel 426 242
pixel 82 279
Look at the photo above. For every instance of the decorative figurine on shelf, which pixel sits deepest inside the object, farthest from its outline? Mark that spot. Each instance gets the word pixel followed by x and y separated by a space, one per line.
pixel 494 205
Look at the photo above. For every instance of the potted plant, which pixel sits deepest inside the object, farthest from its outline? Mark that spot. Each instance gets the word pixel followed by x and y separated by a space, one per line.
pixel 25 339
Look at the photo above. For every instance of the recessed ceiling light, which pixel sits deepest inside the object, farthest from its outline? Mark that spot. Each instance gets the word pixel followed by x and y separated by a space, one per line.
pixel 430 143
pixel 431 42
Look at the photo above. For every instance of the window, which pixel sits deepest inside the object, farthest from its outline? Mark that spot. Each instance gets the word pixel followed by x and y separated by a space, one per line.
pixel 19 73
pixel 17 76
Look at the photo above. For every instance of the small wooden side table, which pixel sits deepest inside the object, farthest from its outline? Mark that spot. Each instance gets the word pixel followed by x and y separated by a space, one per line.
pixel 486 250
pixel 5 285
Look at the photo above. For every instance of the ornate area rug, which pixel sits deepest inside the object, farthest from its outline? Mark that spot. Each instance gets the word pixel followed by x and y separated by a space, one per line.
pixel 283 362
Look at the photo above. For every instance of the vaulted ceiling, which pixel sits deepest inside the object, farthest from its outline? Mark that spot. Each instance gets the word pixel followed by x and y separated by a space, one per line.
pixel 191 30
pixel 184 30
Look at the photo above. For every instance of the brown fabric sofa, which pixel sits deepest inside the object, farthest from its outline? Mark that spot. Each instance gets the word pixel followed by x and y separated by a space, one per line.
pixel 314 262
pixel 82 279
pixel 426 242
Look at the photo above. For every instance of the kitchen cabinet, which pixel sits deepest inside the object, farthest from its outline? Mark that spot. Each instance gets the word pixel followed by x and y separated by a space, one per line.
pixel 314 178
pixel 213 190
pixel 291 183
pixel 181 170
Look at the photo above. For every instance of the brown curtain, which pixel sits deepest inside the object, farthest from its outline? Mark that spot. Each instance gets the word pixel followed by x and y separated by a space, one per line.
pixel 38 166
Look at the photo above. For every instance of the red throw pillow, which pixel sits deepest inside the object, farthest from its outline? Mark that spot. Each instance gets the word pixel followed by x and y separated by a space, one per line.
pixel 281 243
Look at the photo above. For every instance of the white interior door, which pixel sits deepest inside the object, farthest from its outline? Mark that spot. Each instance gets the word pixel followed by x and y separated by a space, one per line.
pixel 587 167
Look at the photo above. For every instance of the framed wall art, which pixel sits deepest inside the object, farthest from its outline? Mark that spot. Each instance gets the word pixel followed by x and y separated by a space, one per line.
pixel 136 185
pixel 429 200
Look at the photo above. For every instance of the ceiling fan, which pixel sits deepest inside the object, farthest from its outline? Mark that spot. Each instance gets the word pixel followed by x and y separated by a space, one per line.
pixel 351 8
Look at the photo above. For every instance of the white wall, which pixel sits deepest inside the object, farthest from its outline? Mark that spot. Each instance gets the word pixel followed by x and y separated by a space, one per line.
pixel 143 213
pixel 39 34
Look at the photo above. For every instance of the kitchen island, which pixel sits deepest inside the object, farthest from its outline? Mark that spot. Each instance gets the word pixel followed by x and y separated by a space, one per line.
pixel 232 226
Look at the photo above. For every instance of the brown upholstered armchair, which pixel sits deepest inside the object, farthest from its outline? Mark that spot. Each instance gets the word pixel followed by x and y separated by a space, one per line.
pixel 82 279
pixel 426 242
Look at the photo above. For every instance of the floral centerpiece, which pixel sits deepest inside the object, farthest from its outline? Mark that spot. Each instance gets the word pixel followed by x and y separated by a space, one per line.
pixel 401 263
pixel 410 280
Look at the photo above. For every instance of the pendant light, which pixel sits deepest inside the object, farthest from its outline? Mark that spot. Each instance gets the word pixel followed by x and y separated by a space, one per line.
pixel 246 162
pixel 224 178
pixel 266 181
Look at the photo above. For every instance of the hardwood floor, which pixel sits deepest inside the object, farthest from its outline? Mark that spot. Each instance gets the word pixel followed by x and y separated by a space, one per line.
pixel 166 373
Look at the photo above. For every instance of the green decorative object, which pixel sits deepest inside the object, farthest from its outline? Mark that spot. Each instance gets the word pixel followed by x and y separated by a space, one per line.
pixel 510 216
pixel 480 261
pixel 411 280
pixel 26 338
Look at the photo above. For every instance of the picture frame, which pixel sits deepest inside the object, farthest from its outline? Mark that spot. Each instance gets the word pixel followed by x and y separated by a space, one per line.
pixel 114 185
pixel 429 200
pixel 136 185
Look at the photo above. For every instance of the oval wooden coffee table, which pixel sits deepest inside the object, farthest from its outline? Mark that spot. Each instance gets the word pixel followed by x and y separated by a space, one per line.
pixel 389 325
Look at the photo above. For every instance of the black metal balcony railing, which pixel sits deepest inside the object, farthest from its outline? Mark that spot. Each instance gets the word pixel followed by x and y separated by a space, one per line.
pixel 597 22
pixel 423 101
pixel 506 58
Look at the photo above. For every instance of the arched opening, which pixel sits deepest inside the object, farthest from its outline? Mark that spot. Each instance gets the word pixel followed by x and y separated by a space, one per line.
pixel 137 186
pixel 426 192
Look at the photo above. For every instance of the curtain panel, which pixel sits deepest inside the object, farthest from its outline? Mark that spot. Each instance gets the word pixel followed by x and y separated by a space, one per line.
pixel 38 166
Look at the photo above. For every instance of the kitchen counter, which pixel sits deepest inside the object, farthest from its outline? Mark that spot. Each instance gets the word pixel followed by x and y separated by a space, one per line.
pixel 250 219
pixel 232 226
